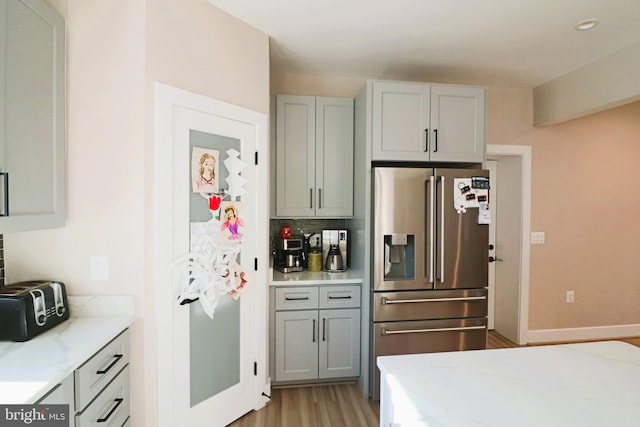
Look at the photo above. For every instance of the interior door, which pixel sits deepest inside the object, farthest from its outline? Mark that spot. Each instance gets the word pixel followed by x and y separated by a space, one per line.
pixel 209 342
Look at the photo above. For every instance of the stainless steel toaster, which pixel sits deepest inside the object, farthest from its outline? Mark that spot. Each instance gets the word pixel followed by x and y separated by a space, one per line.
pixel 30 308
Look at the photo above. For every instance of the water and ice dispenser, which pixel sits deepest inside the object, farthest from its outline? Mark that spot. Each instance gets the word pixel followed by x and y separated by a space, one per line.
pixel 399 256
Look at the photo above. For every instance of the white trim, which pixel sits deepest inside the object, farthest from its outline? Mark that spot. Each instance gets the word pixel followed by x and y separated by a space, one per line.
pixel 523 151
pixel 582 334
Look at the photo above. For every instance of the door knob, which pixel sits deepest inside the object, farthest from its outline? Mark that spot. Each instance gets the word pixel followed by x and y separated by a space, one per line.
pixel 492 259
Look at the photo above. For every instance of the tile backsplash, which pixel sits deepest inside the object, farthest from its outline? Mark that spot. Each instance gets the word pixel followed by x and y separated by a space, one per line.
pixel 301 226
pixel 1 259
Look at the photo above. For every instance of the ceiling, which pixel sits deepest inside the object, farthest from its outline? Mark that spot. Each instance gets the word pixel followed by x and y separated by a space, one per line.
pixel 514 43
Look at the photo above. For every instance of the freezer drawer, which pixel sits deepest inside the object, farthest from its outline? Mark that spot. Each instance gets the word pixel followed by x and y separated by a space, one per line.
pixel 427 336
pixel 423 305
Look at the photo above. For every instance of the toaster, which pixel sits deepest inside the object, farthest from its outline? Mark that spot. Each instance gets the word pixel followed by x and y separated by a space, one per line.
pixel 31 308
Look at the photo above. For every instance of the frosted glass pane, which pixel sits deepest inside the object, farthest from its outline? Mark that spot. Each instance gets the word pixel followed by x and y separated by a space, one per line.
pixel 214 349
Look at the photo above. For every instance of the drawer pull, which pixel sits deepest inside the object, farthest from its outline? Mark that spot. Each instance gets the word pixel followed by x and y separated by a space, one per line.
pixel 411 331
pixel 296 299
pixel 330 297
pixel 386 300
pixel 118 402
pixel 116 359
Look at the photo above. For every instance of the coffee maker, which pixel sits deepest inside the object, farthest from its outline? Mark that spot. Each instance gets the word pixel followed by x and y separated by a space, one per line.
pixel 335 250
pixel 289 255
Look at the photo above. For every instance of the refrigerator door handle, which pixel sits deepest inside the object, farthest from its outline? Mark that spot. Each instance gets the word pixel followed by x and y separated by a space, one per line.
pixel 432 229
pixel 386 300
pixel 412 331
pixel 442 239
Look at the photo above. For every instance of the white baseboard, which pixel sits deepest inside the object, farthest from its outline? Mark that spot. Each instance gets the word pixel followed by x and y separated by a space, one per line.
pixel 579 334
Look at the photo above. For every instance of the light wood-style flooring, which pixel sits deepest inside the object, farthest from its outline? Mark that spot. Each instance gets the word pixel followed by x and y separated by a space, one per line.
pixel 333 405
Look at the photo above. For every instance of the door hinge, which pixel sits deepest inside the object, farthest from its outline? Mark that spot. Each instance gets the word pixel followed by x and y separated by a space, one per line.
pixel 255 369
pixel 255 264
pixel 256 159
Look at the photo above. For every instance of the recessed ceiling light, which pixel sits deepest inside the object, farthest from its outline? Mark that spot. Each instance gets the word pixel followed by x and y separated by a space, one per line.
pixel 587 24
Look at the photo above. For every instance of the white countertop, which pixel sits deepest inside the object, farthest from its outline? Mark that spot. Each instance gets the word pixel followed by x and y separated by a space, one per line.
pixel 315 278
pixel 28 370
pixel 587 385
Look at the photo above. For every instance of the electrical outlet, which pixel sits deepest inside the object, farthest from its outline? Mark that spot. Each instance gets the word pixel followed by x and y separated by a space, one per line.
pixel 570 296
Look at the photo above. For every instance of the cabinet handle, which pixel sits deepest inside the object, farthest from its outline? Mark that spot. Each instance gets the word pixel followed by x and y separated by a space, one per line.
pixel 348 297
pixel 323 329
pixel 111 411
pixel 311 198
pixel 426 142
pixel 319 198
pixel 5 193
pixel 296 299
pixel 313 339
pixel 116 359
pixel 435 144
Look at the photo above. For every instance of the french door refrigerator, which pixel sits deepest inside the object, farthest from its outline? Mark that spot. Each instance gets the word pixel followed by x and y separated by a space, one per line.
pixel 430 262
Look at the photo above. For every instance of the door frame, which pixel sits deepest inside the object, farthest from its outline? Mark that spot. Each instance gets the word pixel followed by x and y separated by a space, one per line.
pixel 495 151
pixel 168 98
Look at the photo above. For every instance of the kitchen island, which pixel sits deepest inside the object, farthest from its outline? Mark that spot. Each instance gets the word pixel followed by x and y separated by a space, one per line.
pixel 29 370
pixel 587 384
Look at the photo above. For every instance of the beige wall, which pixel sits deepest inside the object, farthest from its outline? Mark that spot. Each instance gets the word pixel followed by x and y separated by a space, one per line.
pixel 116 50
pixel 584 181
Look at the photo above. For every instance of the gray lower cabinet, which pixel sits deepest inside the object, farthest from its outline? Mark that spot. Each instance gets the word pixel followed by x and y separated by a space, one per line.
pixel 102 386
pixel 98 391
pixel 316 332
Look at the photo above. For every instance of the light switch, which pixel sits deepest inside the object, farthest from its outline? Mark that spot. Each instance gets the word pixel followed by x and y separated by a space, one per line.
pixel 99 267
pixel 537 237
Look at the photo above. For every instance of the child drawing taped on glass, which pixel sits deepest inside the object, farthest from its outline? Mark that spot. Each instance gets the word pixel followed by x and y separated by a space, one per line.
pixel 204 170
pixel 231 221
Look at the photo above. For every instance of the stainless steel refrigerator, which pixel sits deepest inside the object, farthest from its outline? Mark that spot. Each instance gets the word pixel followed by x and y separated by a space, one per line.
pixel 430 262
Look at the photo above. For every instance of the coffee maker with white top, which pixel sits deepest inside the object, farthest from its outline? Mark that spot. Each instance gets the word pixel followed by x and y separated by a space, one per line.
pixel 335 250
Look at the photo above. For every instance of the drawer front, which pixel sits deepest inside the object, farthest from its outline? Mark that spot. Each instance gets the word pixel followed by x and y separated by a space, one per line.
pixel 298 298
pixel 98 371
pixel 424 305
pixel 111 408
pixel 427 336
pixel 340 296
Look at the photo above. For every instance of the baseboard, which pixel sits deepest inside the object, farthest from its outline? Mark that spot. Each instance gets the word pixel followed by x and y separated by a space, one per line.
pixel 583 334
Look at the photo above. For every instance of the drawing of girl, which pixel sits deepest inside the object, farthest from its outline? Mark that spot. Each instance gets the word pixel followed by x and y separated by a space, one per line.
pixel 232 222
pixel 204 171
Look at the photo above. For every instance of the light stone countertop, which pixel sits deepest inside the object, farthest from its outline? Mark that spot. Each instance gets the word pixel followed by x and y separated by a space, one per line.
pixel 28 370
pixel 588 385
pixel 307 278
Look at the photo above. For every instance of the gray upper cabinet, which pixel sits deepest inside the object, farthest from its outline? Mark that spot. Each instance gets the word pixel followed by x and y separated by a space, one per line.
pixel 427 122
pixel 32 116
pixel 314 157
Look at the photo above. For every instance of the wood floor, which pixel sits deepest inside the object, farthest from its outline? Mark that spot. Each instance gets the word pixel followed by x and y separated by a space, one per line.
pixel 333 405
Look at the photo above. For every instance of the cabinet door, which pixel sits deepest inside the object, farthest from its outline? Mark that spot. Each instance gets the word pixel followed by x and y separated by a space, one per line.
pixel 296 350
pixel 339 343
pixel 334 157
pixel 457 124
pixel 295 156
pixel 400 121
pixel 32 115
